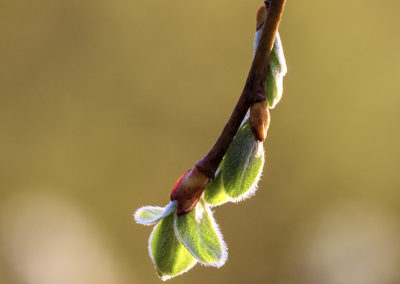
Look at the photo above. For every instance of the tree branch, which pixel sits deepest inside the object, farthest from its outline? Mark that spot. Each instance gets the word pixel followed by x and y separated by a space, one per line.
pixel 253 91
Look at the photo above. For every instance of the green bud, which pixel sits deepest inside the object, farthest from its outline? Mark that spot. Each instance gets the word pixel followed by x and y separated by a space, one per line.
pixel 243 164
pixel 275 72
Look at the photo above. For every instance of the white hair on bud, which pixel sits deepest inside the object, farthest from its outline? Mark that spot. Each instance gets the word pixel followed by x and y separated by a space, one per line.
pixel 280 72
pixel 279 52
pixel 147 222
pixel 277 46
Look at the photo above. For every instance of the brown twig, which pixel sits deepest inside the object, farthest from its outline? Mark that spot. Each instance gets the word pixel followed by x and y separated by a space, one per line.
pixel 191 185
pixel 253 91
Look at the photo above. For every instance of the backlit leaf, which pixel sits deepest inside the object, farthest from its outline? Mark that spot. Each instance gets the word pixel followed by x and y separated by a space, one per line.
pixel 243 164
pixel 215 194
pixel 199 233
pixel 168 254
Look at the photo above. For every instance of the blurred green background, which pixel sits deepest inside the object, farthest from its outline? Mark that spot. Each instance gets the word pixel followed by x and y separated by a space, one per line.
pixel 103 105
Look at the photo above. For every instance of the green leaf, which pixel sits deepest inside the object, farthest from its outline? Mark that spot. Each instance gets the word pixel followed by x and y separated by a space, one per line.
pixel 240 170
pixel 169 256
pixel 275 72
pixel 243 164
pixel 149 215
pixel 215 194
pixel 199 233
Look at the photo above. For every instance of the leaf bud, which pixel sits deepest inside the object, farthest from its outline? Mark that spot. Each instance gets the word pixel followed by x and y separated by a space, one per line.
pixel 259 120
pixel 188 189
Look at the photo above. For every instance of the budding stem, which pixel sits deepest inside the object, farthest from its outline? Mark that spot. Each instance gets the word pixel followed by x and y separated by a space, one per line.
pixel 253 91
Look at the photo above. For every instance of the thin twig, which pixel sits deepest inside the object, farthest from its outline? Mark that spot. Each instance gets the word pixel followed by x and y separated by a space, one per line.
pixel 253 91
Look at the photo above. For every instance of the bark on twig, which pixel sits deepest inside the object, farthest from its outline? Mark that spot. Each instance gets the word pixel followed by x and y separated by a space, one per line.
pixel 253 91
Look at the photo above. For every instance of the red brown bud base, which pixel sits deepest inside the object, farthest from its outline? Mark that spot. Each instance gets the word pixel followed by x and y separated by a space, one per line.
pixel 188 189
pixel 259 120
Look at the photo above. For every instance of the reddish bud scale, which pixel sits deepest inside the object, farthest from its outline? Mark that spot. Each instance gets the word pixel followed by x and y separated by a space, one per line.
pixel 178 181
pixel 259 120
pixel 188 189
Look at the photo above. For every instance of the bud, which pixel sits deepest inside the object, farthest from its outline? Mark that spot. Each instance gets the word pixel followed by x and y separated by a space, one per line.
pixel 188 189
pixel 259 120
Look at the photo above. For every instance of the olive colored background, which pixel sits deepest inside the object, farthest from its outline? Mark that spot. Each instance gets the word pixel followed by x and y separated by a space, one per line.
pixel 104 104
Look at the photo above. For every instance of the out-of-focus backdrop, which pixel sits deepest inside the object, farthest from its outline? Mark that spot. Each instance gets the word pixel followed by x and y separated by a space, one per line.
pixel 104 104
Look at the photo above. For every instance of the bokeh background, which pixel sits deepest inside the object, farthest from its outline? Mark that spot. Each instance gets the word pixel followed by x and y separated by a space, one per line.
pixel 104 104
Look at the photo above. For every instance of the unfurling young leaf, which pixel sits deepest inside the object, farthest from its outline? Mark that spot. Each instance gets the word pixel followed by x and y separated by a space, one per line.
pixel 149 215
pixel 199 233
pixel 168 254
